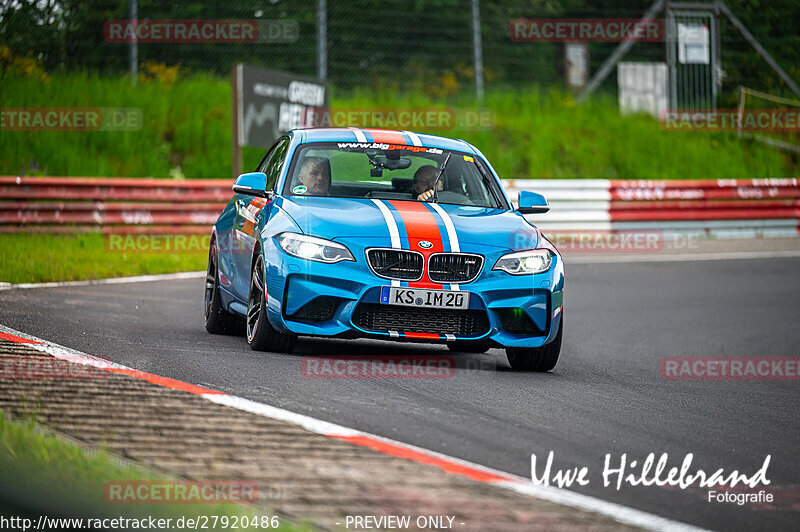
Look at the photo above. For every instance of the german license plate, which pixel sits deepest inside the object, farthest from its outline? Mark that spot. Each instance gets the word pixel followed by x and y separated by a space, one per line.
pixel 420 297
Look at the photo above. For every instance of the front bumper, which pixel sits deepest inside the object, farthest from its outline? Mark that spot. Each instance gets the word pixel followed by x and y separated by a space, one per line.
pixel 343 299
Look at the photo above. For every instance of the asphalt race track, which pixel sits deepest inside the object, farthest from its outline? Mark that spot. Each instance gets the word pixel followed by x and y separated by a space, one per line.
pixel 605 396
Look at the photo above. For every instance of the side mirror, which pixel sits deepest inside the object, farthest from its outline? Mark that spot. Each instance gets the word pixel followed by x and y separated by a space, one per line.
pixel 252 184
pixel 532 203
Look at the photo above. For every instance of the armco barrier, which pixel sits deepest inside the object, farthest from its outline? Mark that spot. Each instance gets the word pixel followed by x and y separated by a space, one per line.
pixel 722 208
pixel 111 205
pixel 717 208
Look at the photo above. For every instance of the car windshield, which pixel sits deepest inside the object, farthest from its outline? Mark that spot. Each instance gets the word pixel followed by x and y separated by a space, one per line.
pixel 389 171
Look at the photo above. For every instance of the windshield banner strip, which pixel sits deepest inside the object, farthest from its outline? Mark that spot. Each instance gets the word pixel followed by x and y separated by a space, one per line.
pixel 383 146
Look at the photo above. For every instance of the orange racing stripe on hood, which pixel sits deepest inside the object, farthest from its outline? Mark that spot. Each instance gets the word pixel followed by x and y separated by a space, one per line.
pixel 420 225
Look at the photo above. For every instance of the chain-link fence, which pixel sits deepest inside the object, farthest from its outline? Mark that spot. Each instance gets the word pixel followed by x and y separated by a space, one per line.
pixel 426 45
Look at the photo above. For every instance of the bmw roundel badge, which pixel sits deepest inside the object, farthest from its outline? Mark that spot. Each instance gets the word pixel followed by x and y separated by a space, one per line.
pixel 424 244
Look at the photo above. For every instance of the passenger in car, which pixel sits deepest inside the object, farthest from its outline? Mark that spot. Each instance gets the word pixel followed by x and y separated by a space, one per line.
pixel 423 182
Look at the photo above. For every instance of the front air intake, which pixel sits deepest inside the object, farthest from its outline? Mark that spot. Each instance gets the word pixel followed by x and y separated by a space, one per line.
pixel 396 263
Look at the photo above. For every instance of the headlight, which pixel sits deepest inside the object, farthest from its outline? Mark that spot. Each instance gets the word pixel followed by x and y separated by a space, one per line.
pixel 312 248
pixel 525 262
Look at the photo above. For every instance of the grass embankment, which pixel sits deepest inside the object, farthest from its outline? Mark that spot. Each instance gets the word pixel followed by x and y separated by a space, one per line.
pixel 537 134
pixel 43 474
pixel 32 258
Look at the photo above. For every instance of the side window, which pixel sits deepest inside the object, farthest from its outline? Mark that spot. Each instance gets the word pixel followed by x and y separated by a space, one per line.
pixel 273 162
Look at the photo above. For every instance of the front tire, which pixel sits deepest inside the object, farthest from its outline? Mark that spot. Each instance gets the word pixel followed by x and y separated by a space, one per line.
pixel 538 359
pixel 260 334
pixel 218 320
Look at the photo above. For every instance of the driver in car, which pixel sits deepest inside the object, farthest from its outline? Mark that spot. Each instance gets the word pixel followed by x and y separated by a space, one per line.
pixel 423 182
pixel 315 176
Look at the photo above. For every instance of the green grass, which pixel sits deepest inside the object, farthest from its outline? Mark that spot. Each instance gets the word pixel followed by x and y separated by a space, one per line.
pixel 41 473
pixel 186 128
pixel 29 258
pixel 537 134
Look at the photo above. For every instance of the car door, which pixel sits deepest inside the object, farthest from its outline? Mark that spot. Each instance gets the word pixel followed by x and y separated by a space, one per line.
pixel 248 211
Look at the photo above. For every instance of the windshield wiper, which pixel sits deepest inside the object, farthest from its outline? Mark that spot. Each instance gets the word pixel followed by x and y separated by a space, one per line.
pixel 439 175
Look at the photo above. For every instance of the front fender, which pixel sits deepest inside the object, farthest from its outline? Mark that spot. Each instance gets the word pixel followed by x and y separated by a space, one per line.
pixel 279 222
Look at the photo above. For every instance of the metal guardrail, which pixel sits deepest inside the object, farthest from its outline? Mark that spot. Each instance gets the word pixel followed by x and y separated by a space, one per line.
pixel 715 208
pixel 110 205
pixel 718 208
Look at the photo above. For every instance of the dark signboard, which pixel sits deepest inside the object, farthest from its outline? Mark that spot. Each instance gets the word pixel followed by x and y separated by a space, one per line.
pixel 269 103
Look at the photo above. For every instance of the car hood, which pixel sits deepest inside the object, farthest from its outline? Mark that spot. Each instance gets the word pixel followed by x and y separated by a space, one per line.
pixel 364 220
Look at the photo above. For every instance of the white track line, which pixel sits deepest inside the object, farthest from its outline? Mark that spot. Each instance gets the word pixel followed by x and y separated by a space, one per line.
pixel 113 280
pixel 680 257
pixel 620 513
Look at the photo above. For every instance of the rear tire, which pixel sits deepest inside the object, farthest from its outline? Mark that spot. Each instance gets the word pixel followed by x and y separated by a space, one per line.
pixel 218 320
pixel 260 334
pixel 466 346
pixel 537 359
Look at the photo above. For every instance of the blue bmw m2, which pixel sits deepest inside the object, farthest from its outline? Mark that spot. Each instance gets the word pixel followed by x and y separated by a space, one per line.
pixel 394 235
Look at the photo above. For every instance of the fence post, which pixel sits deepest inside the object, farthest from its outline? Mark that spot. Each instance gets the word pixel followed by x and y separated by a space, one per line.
pixel 133 52
pixel 477 51
pixel 322 40
pixel 236 103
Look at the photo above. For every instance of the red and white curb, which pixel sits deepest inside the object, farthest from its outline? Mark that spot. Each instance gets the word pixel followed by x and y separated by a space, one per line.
pixel 448 464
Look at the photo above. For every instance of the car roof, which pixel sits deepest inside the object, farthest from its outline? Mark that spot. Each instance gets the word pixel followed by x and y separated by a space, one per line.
pixel 384 136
